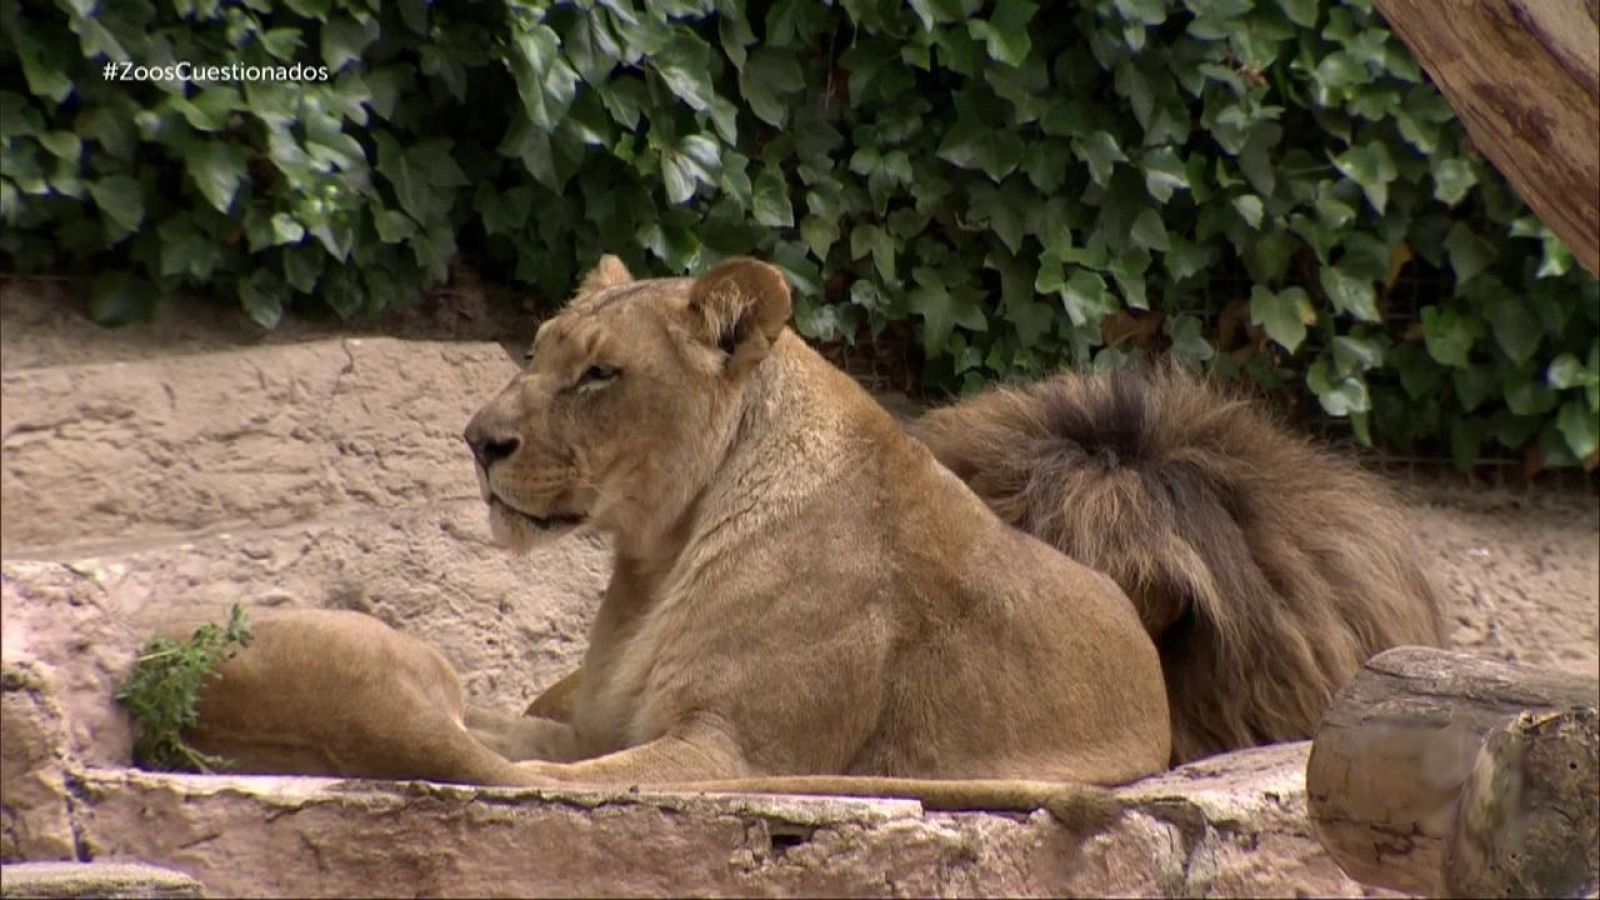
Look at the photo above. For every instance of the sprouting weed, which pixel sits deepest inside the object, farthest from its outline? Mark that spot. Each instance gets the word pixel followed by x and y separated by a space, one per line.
pixel 162 694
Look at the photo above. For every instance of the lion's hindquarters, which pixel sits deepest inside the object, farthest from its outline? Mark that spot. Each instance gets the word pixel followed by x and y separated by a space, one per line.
pixel 322 692
pixel 1265 569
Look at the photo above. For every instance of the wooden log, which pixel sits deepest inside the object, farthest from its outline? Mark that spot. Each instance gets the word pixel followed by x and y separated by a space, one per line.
pixel 1527 817
pixel 1397 744
pixel 1524 77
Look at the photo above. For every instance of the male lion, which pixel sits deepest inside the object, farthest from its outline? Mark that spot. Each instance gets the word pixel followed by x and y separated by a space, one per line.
pixel 1266 570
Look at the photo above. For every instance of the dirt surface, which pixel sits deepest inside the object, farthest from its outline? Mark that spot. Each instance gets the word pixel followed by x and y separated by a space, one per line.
pixel 1519 569
pixel 1520 566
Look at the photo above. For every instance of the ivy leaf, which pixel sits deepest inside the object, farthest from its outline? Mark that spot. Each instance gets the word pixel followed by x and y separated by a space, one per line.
pixel 1086 298
pixel 1350 293
pixel 343 39
pixel 280 43
pixel 1370 166
pixel 685 66
pixel 931 300
pixel 1129 270
pixel 437 163
pixel 262 295
pixel 593 49
pixel 1474 385
pixel 1284 314
pixel 1187 340
pixel 1149 232
pixel 394 226
pixel 1031 318
pixel 503 212
pixel 1340 395
pixel 1515 328
pixel 1187 258
pixel 767 77
pixel 971 144
pixel 1101 152
pixel 874 239
pixel 44 76
pixel 1249 208
pixel 302 266
pixel 1301 12
pixel 285 230
pixel 410 182
pixel 1255 157
pixel 1164 173
pixel 1556 259
pixel 1580 428
pixel 693 162
pixel 770 200
pixel 186 252
pixel 118 298
pixel 546 82
pixel 1145 12
pixel 63 145
pixel 1526 396
pixel 1353 355
pixel 433 249
pixel 1006 32
pixel 1448 335
pixel 1566 371
pixel 819 234
pixel 1452 178
pixel 120 198
pixel 1469 254
pixel 1003 210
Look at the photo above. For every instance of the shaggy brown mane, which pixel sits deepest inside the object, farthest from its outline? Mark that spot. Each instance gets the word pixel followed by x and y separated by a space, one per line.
pixel 1266 570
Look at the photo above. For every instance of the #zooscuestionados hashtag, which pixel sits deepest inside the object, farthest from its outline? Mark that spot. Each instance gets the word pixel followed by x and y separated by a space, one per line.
pixel 126 70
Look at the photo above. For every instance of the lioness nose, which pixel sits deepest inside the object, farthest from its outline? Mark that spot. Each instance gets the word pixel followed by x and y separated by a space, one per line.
pixel 490 449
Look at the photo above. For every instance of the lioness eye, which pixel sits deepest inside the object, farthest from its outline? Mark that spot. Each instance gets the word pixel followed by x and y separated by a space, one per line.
pixel 596 374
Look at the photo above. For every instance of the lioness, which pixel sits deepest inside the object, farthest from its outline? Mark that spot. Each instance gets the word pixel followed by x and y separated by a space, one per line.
pixel 803 599
pixel 799 587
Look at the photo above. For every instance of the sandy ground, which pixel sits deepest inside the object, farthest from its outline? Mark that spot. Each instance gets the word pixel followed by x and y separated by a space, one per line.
pixel 1520 566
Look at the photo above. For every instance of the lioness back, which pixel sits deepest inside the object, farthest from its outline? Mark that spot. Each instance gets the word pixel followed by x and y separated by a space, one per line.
pixel 995 656
pixel 799 587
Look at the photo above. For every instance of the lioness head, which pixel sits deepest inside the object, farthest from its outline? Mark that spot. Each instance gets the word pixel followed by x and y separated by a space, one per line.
pixel 629 398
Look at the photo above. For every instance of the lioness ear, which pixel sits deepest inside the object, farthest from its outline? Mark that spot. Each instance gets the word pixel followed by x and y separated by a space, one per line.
pixel 608 272
pixel 740 307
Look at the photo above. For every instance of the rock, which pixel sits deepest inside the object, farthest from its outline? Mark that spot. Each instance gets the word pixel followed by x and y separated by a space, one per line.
pixel 1232 826
pixel 115 880
pixel 35 805
pixel 510 625
pixel 69 650
pixel 265 437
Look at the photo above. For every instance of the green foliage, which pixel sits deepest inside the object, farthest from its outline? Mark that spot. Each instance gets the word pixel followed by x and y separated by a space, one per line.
pixel 162 693
pixel 1264 187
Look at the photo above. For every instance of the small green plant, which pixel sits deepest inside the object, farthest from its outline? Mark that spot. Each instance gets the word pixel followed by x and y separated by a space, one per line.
pixel 163 692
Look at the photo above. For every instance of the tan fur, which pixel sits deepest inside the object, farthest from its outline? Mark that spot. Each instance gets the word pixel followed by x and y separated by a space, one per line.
pixel 803 599
pixel 1266 570
pixel 799 589
pixel 329 692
